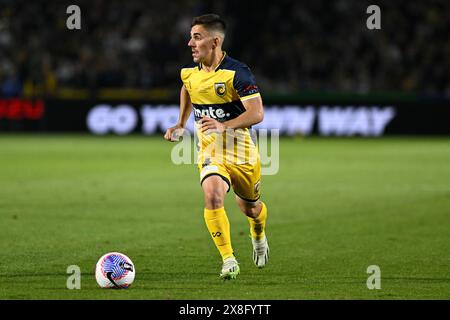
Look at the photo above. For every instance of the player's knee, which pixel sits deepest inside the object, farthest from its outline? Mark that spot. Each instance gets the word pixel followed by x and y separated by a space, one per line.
pixel 250 209
pixel 214 199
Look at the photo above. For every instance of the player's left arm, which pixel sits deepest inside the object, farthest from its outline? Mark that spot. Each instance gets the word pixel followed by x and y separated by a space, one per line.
pixel 246 88
pixel 253 114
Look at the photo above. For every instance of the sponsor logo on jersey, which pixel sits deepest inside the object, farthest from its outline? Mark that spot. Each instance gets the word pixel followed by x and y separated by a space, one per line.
pixel 249 90
pixel 215 113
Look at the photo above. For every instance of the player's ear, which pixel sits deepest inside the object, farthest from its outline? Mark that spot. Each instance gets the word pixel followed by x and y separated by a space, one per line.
pixel 216 42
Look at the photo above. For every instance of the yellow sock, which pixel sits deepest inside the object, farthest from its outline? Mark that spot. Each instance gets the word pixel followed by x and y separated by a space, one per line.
pixel 219 229
pixel 258 224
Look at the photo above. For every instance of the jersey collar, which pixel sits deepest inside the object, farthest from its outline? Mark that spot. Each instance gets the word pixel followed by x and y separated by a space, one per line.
pixel 221 61
pixel 200 65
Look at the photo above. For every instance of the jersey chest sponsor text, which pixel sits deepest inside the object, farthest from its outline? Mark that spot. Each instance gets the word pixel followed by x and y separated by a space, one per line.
pixel 212 112
pixel 219 112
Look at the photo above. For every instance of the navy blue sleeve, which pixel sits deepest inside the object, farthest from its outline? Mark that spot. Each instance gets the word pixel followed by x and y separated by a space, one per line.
pixel 244 82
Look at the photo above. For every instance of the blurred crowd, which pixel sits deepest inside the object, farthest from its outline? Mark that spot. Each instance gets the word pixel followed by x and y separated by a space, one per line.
pixel 291 46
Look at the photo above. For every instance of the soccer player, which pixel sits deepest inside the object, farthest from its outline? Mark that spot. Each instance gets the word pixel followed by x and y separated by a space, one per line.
pixel 226 102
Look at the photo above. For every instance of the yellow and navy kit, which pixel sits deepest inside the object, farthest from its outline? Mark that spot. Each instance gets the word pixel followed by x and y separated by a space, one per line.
pixel 218 94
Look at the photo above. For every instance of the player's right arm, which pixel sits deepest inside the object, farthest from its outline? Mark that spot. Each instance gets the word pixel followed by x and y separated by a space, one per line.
pixel 185 111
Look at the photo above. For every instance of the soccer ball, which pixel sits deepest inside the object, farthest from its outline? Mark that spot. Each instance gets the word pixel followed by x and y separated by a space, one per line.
pixel 114 270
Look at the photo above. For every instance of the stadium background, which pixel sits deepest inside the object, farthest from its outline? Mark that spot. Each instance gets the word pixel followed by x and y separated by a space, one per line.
pixel 67 180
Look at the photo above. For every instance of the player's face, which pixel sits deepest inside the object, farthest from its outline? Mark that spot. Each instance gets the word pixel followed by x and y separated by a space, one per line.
pixel 201 43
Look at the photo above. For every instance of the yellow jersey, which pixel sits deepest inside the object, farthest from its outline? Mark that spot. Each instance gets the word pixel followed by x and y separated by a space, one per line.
pixel 219 94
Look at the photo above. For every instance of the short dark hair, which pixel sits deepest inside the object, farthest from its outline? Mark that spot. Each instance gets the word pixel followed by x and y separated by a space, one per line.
pixel 211 22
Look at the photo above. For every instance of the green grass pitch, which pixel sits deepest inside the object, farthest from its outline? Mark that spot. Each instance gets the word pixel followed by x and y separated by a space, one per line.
pixel 336 207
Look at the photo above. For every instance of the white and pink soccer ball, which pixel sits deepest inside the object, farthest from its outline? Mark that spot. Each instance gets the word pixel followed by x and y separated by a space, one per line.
pixel 115 270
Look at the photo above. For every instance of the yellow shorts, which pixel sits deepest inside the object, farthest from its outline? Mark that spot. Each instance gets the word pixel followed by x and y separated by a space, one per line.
pixel 245 178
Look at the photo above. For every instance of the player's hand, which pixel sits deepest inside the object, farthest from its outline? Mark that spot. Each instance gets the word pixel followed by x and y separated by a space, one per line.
pixel 211 125
pixel 174 133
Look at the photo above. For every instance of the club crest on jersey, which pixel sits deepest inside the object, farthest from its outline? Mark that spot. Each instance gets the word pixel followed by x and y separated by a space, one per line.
pixel 220 88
